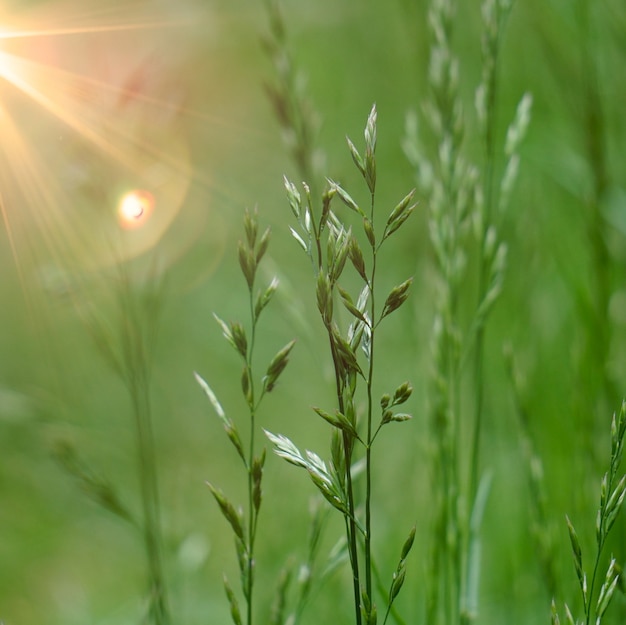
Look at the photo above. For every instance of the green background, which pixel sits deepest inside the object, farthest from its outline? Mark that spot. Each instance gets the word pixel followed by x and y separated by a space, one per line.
pixel 65 561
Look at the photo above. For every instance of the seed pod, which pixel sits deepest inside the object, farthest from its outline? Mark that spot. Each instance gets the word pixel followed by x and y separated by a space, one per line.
pixel 263 245
pixel 264 298
pixel 356 257
pixel 247 264
pixel 369 231
pixel 228 510
pixel 402 393
pixel 345 197
pixel 277 366
pixel 251 228
pixel 397 297
pixel 232 600
pixel 239 338
pixel 356 157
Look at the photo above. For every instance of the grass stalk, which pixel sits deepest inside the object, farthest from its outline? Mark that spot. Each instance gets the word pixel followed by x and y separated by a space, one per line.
pixel 347 445
pixel 150 504
pixel 612 493
pixel 495 14
pixel 251 251
pixel 370 405
pixel 138 330
pixel 329 242
pixel 292 107
pixel 448 215
pixel 253 510
pixel 127 348
pixel 463 201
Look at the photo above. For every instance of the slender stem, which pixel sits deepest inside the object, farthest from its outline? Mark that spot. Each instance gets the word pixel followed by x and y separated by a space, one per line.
pixel 456 557
pixel 368 447
pixel 352 539
pixel 252 524
pixel 489 194
pixel 483 269
pixel 450 441
pixel 592 587
pixel 490 199
pixel 601 541
pixel 351 529
pixel 150 502
pixel 137 378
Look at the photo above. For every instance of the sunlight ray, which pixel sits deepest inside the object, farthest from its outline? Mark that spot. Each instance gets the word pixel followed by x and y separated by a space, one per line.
pixel 8 33
pixel 42 196
pixel 27 76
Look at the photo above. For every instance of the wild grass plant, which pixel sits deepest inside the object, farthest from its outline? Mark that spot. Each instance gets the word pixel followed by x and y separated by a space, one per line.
pixel 466 203
pixel 298 120
pixel 244 526
pixel 597 592
pixel 329 243
pixel 126 344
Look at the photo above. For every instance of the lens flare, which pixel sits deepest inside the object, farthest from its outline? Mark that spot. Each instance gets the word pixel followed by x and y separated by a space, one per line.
pixel 135 208
pixel 92 104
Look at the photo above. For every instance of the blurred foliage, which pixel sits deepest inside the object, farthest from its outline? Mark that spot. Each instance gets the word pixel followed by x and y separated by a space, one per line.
pixel 63 559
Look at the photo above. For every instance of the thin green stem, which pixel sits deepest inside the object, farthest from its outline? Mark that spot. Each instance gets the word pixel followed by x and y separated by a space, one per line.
pixel 252 524
pixel 351 528
pixel 602 534
pixel 483 270
pixel 490 200
pixel 450 441
pixel 592 587
pixel 137 378
pixel 150 503
pixel 352 539
pixel 370 440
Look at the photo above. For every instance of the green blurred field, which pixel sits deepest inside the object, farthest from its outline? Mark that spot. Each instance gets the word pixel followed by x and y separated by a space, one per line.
pixel 65 561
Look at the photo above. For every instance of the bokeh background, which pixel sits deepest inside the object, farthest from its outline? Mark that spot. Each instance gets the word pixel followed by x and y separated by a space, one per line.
pixel 100 99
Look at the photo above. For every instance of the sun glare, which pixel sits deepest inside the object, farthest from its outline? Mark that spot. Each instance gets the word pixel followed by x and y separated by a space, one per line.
pixel 135 208
pixel 93 105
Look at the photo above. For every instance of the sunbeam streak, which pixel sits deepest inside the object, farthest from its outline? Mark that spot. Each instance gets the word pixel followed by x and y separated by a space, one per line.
pixel 7 33
pixel 46 87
